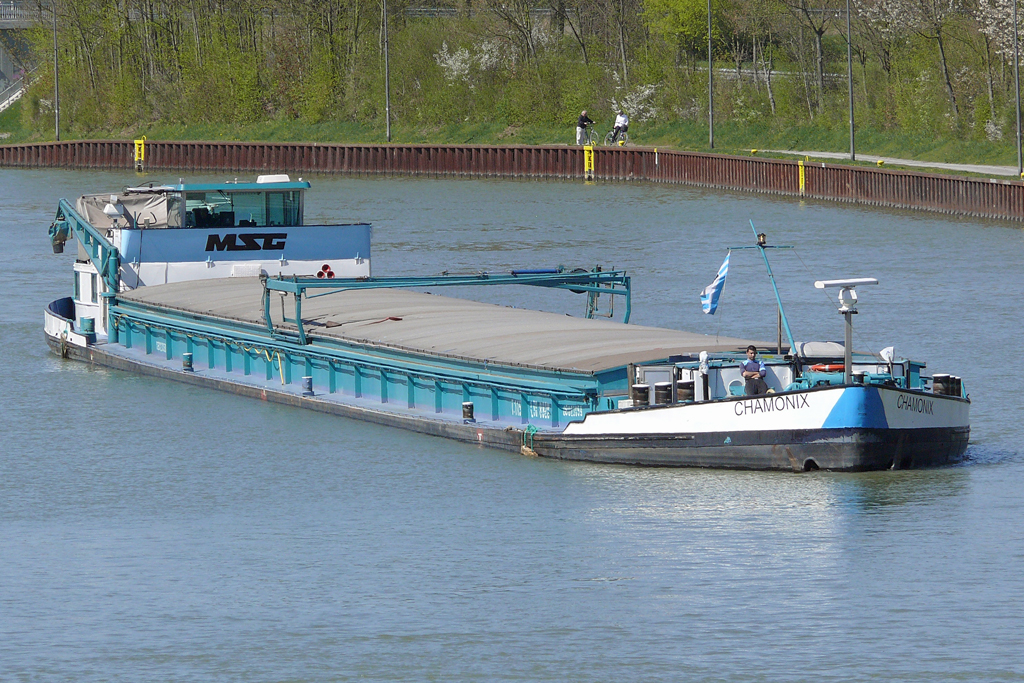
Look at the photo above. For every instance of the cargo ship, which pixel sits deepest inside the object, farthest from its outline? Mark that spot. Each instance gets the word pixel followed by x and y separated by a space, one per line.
pixel 223 285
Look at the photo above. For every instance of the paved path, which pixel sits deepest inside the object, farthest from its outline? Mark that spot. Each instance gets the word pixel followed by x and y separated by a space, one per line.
pixel 889 161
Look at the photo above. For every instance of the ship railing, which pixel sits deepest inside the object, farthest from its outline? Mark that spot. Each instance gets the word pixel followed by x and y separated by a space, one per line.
pixel 594 283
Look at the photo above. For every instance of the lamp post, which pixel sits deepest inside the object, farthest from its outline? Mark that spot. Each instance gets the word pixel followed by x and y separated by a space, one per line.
pixel 1016 84
pixel 56 74
pixel 387 76
pixel 711 88
pixel 849 75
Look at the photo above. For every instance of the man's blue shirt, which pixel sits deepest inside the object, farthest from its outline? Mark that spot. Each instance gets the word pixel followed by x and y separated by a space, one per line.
pixel 753 365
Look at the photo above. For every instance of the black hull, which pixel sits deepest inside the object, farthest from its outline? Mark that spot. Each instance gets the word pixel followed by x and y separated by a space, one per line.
pixel 843 450
pixel 848 450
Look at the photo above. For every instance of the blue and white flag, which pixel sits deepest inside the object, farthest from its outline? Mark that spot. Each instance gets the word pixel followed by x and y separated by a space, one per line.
pixel 709 297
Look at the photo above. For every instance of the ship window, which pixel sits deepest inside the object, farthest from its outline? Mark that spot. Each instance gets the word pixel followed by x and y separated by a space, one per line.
pixel 173 210
pixel 209 210
pixel 78 286
pixel 283 208
pixel 95 288
pixel 250 208
pixel 221 209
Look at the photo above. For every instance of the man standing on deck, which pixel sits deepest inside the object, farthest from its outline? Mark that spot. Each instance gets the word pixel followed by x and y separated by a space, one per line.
pixel 753 372
pixel 581 125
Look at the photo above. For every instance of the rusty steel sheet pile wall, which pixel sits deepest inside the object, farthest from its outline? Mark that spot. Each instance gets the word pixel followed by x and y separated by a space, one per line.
pixel 432 160
pixel 981 197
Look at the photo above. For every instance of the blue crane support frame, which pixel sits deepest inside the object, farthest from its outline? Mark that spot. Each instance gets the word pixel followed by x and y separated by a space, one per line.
pixel 104 256
pixel 595 282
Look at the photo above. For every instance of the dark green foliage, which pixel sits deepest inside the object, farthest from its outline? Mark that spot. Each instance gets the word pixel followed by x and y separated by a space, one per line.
pixel 504 73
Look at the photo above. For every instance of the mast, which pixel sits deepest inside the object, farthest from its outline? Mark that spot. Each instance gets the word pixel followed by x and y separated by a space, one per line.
pixel 762 244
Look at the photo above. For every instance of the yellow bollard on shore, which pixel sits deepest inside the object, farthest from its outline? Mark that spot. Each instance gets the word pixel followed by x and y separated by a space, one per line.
pixel 140 153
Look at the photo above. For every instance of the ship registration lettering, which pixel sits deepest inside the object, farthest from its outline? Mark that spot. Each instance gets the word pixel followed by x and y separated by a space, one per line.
pixel 246 241
pixel 771 404
pixel 915 404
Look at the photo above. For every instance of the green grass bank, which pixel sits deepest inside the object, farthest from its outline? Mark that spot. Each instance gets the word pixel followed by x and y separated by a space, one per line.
pixel 730 137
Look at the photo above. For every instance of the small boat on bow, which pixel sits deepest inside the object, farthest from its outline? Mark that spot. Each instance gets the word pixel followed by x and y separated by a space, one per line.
pixel 224 285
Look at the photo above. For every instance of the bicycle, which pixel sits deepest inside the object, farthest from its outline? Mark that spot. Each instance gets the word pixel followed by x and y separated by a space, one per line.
pixel 610 139
pixel 589 138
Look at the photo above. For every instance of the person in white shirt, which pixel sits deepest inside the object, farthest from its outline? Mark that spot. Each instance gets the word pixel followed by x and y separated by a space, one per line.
pixel 621 126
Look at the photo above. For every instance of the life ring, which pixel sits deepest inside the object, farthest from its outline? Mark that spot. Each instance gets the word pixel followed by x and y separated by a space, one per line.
pixel 823 367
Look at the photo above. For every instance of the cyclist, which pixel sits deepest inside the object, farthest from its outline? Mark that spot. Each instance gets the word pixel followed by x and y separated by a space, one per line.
pixel 621 125
pixel 581 126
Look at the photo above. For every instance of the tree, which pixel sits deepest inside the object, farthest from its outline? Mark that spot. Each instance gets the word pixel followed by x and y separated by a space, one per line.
pixel 518 19
pixel 882 26
pixel 995 20
pixel 685 23
pixel 816 15
pixel 930 18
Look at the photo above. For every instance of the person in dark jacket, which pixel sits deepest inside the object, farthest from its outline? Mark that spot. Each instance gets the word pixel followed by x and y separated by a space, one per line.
pixel 581 125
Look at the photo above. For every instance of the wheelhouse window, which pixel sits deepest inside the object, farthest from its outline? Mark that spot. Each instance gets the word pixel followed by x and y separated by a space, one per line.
pixel 78 286
pixel 283 208
pixel 94 287
pixel 243 209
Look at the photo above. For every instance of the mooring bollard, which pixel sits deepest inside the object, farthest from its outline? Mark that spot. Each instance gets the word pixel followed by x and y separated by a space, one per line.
pixel 88 327
pixel 307 386
pixel 186 362
pixel 641 394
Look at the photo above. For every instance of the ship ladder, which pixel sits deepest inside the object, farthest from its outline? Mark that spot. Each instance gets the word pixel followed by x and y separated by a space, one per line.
pixel 527 447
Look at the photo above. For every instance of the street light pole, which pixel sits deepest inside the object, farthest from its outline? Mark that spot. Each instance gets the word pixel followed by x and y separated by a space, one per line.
pixel 387 75
pixel 1016 84
pixel 711 88
pixel 849 75
pixel 56 74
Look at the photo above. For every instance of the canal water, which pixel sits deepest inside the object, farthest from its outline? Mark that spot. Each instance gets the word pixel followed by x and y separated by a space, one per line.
pixel 151 531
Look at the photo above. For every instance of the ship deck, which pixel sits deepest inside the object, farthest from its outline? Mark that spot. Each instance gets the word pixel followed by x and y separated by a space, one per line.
pixel 443 326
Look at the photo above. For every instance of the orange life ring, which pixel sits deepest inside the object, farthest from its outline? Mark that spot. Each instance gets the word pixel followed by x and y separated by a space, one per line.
pixel 822 367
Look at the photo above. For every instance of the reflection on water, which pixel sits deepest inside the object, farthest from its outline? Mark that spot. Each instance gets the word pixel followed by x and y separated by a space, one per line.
pixel 989 452
pixel 869 491
pixel 154 531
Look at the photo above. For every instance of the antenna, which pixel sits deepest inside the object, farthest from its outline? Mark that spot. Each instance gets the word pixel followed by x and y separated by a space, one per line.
pixel 848 307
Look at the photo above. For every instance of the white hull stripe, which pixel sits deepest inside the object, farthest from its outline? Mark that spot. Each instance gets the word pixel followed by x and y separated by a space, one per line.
pixel 837 408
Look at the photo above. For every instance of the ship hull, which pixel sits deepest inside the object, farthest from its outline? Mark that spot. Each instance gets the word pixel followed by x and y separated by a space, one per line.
pixel 844 450
pixel 840 448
